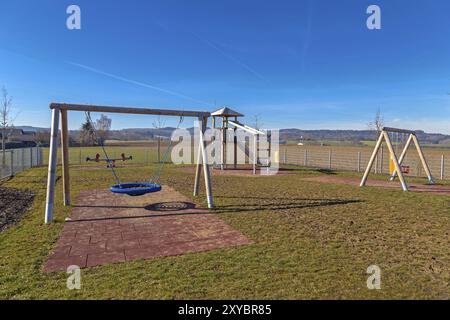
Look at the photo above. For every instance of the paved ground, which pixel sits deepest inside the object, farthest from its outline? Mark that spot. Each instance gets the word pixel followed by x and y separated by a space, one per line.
pixel 435 189
pixel 109 228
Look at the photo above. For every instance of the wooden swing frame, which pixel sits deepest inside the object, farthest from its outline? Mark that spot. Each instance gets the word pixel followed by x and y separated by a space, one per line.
pixel 60 110
pixel 398 172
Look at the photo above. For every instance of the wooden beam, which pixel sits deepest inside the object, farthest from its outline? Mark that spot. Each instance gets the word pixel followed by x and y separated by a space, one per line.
pixel 206 172
pixel 65 157
pixel 372 160
pixel 52 165
pixel 129 110
pixel 198 168
pixel 423 160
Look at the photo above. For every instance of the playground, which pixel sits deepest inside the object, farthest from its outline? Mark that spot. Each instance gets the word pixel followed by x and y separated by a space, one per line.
pixel 301 234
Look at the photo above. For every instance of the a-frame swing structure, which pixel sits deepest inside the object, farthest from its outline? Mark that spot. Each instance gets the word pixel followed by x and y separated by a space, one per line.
pixel 60 111
pixel 397 161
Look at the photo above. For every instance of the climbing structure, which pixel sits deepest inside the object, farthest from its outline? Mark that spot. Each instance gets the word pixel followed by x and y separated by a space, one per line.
pixel 227 121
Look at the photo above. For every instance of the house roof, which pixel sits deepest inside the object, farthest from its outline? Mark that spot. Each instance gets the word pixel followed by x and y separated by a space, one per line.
pixel 226 112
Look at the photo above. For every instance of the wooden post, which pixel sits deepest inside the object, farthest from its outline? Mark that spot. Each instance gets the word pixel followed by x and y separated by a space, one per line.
pixel 198 168
pixel 255 152
pixel 224 144
pixel 52 164
pixel 65 157
pixel 442 167
pixel 423 160
pixel 372 160
pixel 206 172
pixel 235 145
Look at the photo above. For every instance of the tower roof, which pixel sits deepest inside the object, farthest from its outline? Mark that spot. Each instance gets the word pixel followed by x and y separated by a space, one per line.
pixel 226 112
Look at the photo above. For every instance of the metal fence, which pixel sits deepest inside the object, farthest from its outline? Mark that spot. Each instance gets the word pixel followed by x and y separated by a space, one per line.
pixel 14 161
pixel 357 161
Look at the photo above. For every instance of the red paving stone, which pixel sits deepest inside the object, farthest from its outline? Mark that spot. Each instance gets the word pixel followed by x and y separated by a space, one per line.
pixel 108 228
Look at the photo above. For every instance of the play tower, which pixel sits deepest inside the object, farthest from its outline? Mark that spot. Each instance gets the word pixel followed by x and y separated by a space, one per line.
pixel 225 120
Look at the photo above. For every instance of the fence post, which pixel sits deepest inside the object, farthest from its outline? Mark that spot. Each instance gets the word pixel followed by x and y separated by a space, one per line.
pixel 359 162
pixel 31 157
pixel 330 159
pixel 442 167
pixel 23 158
pixel 12 163
pixel 376 165
pixel 40 157
pixel 306 157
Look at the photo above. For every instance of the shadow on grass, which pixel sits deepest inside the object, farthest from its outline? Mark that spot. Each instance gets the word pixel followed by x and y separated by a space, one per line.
pixel 309 203
pixel 326 171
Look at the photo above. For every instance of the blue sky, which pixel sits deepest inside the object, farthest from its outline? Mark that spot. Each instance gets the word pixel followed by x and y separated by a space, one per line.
pixel 309 64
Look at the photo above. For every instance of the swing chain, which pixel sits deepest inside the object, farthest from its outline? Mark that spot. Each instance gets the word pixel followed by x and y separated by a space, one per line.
pixel 101 143
pixel 157 176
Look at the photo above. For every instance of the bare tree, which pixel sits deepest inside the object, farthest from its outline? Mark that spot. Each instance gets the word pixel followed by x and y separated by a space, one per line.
pixel 42 138
pixel 378 123
pixel 158 124
pixel 103 126
pixel 6 120
pixel 87 135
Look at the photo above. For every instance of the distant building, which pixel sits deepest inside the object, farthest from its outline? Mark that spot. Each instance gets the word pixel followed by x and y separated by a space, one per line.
pixel 19 135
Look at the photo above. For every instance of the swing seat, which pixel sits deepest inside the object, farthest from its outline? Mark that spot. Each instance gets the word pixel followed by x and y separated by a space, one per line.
pixel 136 189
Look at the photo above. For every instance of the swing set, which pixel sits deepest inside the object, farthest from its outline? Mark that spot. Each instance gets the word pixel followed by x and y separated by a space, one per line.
pixel 133 189
pixel 60 110
pixel 397 169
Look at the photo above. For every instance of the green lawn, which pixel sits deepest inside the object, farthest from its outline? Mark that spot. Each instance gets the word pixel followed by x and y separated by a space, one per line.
pixel 311 241
pixel 141 155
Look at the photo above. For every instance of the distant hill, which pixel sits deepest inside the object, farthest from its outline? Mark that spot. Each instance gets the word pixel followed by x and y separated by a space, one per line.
pixel 352 135
pixel 292 135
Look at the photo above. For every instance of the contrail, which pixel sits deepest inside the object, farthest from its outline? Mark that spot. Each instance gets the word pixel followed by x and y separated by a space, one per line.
pixel 141 84
pixel 226 55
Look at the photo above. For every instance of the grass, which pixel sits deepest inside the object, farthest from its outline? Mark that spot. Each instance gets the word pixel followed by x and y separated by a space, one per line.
pixel 311 241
